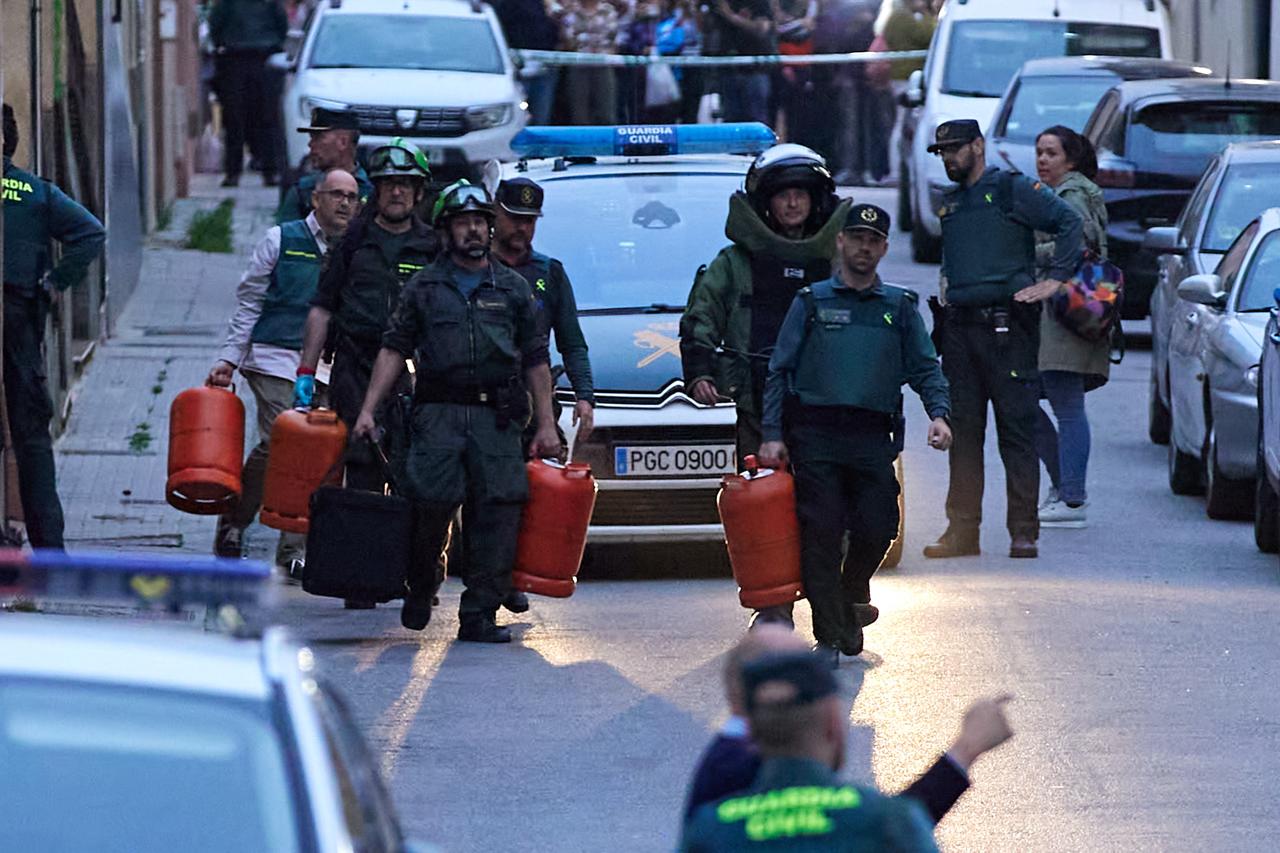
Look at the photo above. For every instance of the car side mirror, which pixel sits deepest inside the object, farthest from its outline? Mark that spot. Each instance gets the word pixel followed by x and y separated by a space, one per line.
pixel 281 62
pixel 913 95
pixel 1162 241
pixel 1205 289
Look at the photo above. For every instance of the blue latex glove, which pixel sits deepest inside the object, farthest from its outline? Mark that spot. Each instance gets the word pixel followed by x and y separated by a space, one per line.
pixel 304 388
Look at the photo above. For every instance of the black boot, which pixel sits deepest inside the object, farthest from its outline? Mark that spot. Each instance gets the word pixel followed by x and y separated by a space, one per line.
pixel 416 612
pixel 954 544
pixel 482 628
pixel 516 601
pixel 829 655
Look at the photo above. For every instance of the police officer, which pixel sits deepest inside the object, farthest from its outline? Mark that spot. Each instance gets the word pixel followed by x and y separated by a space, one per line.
pixel 470 326
pixel 846 347
pixel 264 339
pixel 783 228
pixel 358 290
pixel 798 802
pixel 516 215
pixel 334 135
pixel 36 212
pixel 991 328
pixel 244 34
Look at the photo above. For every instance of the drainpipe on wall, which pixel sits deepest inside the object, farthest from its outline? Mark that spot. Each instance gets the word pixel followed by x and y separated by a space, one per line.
pixel 35 75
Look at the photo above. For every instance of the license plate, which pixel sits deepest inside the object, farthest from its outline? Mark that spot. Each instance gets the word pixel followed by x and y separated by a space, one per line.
pixel 686 459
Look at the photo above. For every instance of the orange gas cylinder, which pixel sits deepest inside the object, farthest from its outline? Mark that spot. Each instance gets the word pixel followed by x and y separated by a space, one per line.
pixel 553 530
pixel 758 510
pixel 206 450
pixel 305 449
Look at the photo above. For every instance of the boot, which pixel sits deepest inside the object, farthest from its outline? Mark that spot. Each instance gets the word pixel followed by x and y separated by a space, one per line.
pixel 954 544
pixel 482 628
pixel 516 601
pixel 1023 547
pixel 861 613
pixel 416 612
pixel 829 655
pixel 228 540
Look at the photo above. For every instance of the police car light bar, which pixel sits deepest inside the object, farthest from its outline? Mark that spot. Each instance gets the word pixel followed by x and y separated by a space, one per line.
pixel 136 578
pixel 648 140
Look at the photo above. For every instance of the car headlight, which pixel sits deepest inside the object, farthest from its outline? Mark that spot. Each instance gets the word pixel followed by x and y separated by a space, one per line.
pixel 1251 376
pixel 480 118
pixel 307 103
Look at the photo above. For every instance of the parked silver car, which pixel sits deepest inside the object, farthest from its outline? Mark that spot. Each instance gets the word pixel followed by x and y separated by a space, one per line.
pixel 1266 506
pixel 1236 187
pixel 1215 344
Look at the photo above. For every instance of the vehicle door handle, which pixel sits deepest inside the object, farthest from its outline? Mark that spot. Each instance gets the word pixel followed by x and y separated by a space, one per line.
pixel 1193 318
pixel 1275 338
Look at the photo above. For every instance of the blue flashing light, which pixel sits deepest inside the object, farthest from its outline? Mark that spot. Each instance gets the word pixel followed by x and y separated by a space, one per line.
pixel 643 140
pixel 169 582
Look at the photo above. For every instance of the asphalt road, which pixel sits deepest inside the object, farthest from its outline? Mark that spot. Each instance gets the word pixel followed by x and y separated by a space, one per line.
pixel 1142 652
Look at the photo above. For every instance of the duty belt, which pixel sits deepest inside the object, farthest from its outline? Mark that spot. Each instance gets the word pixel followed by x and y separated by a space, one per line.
pixel 984 315
pixel 848 418
pixel 467 396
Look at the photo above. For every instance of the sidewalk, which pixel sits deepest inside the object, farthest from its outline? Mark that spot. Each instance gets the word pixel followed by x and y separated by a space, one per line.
pixel 112 457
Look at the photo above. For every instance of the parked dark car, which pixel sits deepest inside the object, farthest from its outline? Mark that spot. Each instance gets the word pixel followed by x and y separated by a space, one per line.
pixel 1266 512
pixel 1236 187
pixel 1063 90
pixel 1154 139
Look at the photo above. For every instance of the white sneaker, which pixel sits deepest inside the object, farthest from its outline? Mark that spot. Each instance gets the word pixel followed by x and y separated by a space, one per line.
pixel 1049 499
pixel 1058 514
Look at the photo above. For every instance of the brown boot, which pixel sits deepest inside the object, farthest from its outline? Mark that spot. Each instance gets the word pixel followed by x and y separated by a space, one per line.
pixel 1023 547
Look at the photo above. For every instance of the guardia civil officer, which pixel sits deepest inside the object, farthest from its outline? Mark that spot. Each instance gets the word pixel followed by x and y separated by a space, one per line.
pixel 244 34
pixel 991 331
pixel 334 135
pixel 783 228
pixel 36 213
pixel 469 324
pixel 358 290
pixel 846 347
pixel 264 340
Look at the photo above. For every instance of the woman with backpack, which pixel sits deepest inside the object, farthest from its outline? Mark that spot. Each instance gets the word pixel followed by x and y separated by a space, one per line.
pixel 1069 364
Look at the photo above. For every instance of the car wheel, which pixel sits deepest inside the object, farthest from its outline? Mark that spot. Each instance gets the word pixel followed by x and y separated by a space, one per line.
pixel 925 248
pixel 893 557
pixel 1157 414
pixel 1224 498
pixel 1266 510
pixel 1184 470
pixel 904 200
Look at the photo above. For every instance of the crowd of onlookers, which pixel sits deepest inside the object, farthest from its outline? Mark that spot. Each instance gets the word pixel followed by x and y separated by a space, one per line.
pixel 797 100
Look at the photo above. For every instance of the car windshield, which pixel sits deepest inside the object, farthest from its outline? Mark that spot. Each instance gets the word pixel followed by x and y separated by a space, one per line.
pixel 648 235
pixel 118 768
pixel 416 42
pixel 1246 191
pixel 1043 102
pixel 1179 138
pixel 1263 276
pixel 984 55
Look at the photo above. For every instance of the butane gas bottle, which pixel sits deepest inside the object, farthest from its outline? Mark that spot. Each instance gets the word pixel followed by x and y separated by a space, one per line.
pixel 553 530
pixel 206 450
pixel 305 449
pixel 758 510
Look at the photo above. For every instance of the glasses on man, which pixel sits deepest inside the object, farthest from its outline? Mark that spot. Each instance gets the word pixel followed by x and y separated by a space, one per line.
pixel 342 195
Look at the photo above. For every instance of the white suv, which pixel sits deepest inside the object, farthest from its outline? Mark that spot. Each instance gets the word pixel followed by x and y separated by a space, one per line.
pixel 437 72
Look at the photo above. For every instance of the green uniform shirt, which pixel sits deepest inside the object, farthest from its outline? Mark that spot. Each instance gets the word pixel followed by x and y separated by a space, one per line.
pixel 799 805
pixel 36 212
pixel 558 313
pixel 244 25
pixel 842 347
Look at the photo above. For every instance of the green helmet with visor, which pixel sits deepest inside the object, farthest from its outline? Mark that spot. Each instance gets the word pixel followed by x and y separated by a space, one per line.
pixel 398 159
pixel 461 197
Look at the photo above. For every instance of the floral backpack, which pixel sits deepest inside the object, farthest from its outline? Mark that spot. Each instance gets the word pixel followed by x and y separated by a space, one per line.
pixel 1090 303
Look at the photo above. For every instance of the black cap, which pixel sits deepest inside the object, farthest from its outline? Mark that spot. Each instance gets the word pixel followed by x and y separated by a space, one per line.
pixel 520 196
pixel 961 131
pixel 326 119
pixel 793 678
pixel 868 216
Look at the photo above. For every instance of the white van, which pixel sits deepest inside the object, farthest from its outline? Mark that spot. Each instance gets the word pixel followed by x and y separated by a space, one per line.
pixel 977 48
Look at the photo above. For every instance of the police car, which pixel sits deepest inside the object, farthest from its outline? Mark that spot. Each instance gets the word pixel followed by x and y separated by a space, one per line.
pixel 632 212
pixel 146 736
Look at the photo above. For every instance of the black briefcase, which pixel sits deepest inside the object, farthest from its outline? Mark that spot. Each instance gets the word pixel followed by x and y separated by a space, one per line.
pixel 358 544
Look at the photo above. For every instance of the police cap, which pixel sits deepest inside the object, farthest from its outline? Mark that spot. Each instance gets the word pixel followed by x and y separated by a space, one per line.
pixel 323 119
pixel 951 134
pixel 868 217
pixel 790 678
pixel 520 196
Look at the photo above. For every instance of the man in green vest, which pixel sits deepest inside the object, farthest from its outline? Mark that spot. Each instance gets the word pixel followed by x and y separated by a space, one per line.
pixel 991 331
pixel 359 288
pixel 783 228
pixel 264 340
pixel 846 347
pixel 36 213
pixel 798 802
pixel 334 135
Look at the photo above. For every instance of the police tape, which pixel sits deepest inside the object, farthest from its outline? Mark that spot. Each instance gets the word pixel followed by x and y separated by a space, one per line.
pixel 611 60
